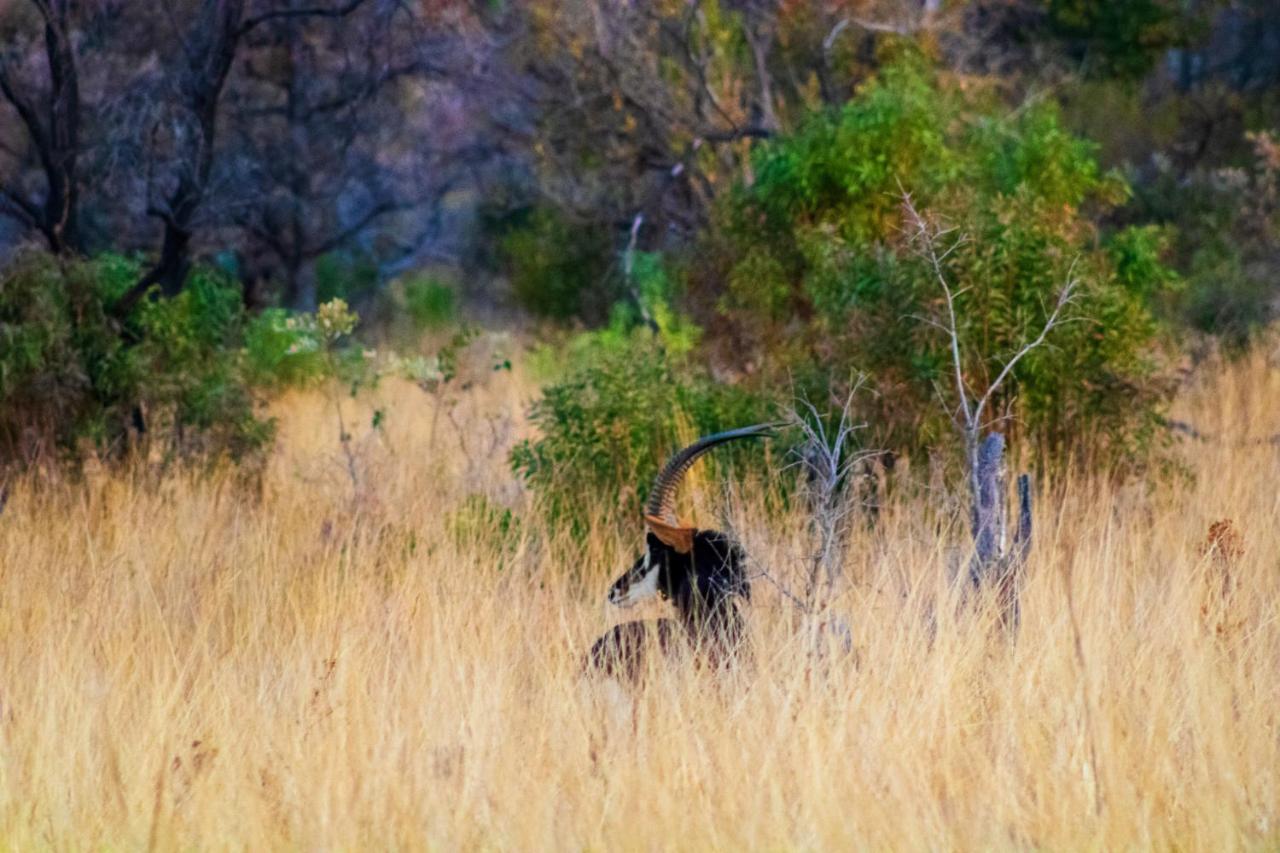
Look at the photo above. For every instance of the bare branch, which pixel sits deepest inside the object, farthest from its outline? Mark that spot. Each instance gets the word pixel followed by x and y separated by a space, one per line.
pixel 628 262
pixel 830 40
pixel 780 587
pixel 26 111
pixel 759 49
pixel 698 64
pixel 45 11
pixel 882 27
pixel 993 560
pixel 1054 320
pixel 304 12
pixel 19 208
pixel 920 231
pixel 827 462
pixel 751 131
pixel 380 209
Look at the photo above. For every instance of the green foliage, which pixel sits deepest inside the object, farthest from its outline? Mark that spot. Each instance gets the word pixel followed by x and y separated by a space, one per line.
pixel 1225 228
pixel 675 334
pixel 479 522
pixel 172 378
pixel 430 303
pixel 434 373
pixel 345 275
pixel 849 163
pixel 281 352
pixel 1119 39
pixel 609 424
pixel 284 348
pixel 557 269
pixel 823 274
pixel 656 289
pixel 1228 294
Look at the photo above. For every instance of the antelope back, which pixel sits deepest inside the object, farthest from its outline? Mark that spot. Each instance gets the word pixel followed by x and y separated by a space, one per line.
pixel 626 649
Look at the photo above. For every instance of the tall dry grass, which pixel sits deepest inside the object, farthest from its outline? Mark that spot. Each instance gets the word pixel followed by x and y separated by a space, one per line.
pixel 185 665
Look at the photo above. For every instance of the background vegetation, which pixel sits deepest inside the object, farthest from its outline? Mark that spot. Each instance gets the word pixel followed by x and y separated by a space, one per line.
pixel 334 332
pixel 726 177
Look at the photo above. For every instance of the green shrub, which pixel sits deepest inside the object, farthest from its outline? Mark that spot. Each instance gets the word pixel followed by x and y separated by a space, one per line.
pixel 674 333
pixel 1229 293
pixel 1119 39
pixel 1226 230
pixel 348 276
pixel 608 425
pixel 559 270
pixel 172 377
pixel 281 352
pixel 430 303
pixel 196 389
pixel 823 276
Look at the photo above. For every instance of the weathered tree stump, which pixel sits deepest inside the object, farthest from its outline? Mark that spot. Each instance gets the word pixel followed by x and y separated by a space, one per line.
pixel 997 563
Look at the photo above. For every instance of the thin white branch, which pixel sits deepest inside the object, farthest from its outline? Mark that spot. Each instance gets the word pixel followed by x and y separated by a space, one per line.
pixel 1064 299
pixel 928 238
pixel 830 40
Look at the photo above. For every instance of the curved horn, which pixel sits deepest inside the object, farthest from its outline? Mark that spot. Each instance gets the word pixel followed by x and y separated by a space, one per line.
pixel 662 499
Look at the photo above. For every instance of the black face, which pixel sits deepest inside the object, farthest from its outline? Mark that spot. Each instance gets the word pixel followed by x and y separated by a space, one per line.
pixel 710 574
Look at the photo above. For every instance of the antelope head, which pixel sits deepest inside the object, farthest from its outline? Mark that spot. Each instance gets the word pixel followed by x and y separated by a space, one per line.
pixel 680 561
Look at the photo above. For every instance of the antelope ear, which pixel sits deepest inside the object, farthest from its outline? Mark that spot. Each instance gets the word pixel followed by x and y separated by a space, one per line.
pixel 680 538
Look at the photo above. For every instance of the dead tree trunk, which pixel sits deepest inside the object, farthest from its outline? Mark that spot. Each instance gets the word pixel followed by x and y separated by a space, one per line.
pixel 997 563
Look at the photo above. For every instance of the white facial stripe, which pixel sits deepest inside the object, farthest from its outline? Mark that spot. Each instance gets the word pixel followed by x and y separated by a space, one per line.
pixel 644 588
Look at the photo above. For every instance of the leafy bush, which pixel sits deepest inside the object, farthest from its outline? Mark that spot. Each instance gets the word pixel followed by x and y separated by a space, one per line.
pixel 280 351
pixel 1226 227
pixel 558 270
pixel 823 276
pixel 345 275
pixel 611 422
pixel 430 303
pixel 1119 39
pixel 674 334
pixel 171 377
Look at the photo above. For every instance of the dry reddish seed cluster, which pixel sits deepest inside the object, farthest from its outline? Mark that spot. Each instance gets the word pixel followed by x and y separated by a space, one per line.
pixel 1224 540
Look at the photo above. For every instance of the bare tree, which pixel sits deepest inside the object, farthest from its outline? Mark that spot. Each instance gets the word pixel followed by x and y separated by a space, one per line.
pixel 640 92
pixel 829 460
pixel 50 117
pixel 341 131
pixel 996 560
pixel 200 72
pixel 281 130
pixel 185 135
pixel 830 463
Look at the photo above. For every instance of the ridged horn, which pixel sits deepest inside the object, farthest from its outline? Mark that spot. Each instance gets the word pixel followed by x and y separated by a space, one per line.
pixel 662 499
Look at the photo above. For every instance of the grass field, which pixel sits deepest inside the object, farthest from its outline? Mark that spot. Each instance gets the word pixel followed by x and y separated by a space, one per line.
pixel 186 665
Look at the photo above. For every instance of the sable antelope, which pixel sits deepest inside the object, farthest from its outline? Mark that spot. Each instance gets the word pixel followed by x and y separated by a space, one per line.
pixel 700 571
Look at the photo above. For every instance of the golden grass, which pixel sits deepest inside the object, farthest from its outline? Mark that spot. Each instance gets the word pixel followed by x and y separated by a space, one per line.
pixel 183 666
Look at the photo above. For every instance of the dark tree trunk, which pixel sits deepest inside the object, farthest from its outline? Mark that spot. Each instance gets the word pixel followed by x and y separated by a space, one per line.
pixel 303 294
pixel 214 39
pixel 55 135
pixel 170 271
pixel 60 225
pixel 217 33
